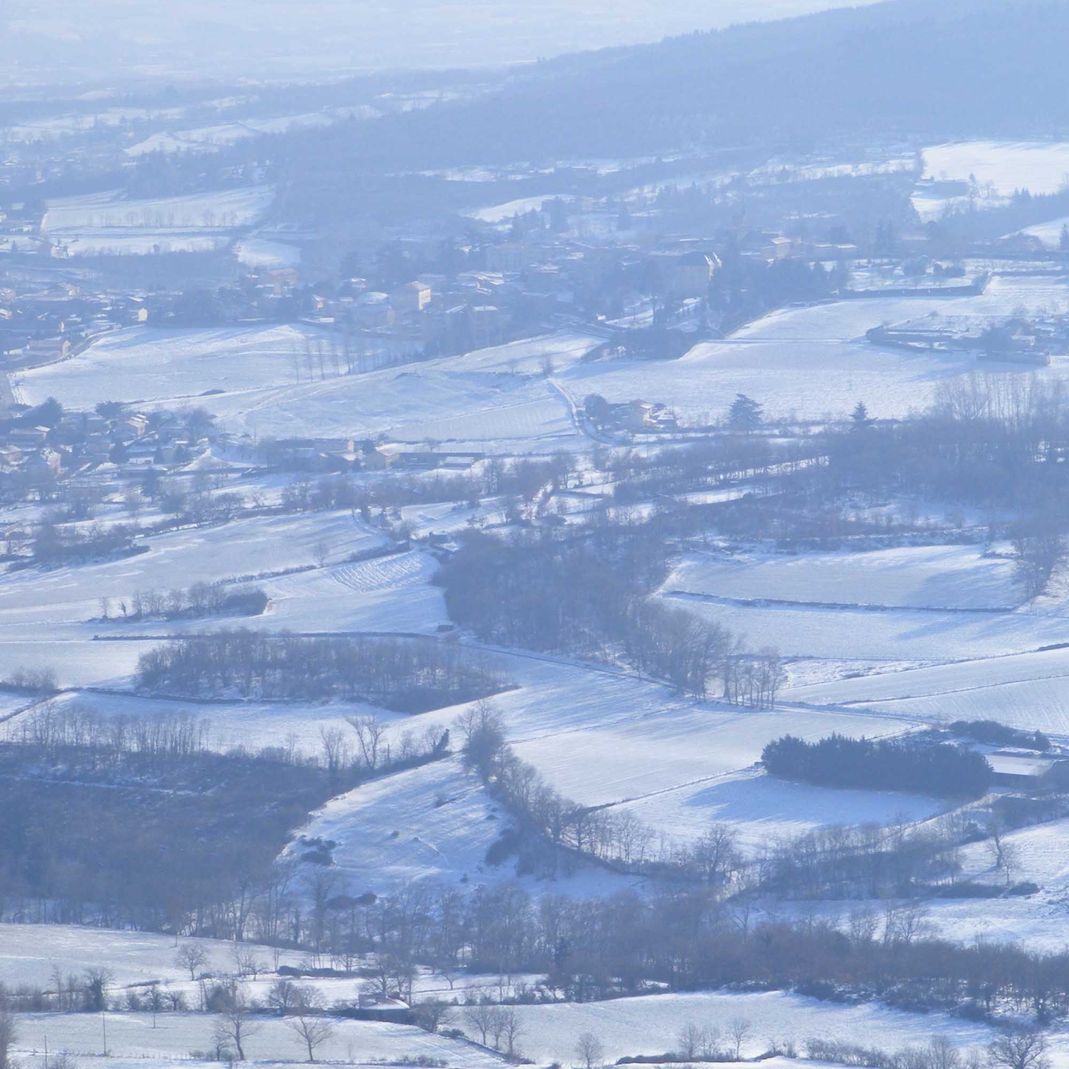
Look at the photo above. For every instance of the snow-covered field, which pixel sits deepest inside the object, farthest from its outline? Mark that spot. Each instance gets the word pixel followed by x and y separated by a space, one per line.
pixel 814 361
pixel 172 365
pixel 1005 166
pixel 930 577
pixel 385 594
pixel 267 381
pixel 177 559
pixel 763 810
pixel 33 953
pixel 606 738
pixel 920 604
pixel 132 1036
pixel 882 635
pixel 780 169
pixel 49 619
pixel 223 210
pixel 432 823
pixel 651 1025
pixel 210 138
pixel 101 223
pixel 1026 691
pixel 631 753
pixel 248 725
pixel 505 413
pixel 52 127
pixel 504 213
pixel 258 252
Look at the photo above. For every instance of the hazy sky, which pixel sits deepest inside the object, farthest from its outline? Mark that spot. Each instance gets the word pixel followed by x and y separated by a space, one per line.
pixel 63 39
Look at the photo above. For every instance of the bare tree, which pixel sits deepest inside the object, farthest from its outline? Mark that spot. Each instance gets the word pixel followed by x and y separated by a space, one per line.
pixel 369 736
pixel 283 995
pixel 191 957
pixel 740 1029
pixel 307 1021
pixel 862 925
pixel 481 1018
pixel 1018 1050
pixel 903 923
pixel 8 1035
pixel 691 1041
pixel 432 1015
pixel 95 988
pixel 1040 550
pixel 234 1025
pixel 510 1029
pixel 1003 853
pixel 716 854
pixel 942 1054
pixel 246 962
pixel 335 752
pixel 590 1051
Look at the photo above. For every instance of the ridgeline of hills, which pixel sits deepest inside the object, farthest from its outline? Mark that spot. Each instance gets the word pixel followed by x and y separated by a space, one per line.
pixel 947 68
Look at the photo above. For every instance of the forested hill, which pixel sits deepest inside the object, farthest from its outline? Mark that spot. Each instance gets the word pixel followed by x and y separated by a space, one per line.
pixel 939 68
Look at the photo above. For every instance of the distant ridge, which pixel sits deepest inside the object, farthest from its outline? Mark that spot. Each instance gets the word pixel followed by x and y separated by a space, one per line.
pixel 933 68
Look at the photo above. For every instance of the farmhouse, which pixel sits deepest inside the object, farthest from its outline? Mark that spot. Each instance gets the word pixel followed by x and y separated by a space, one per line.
pixel 411 299
pixel 1028 771
pixel 686 275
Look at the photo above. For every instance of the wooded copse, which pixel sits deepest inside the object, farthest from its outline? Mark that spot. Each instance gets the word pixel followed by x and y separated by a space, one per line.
pixel 986 442
pixel 919 765
pixel 400 674
pixel 591 598
pixel 200 599
pixel 183 838
pixel 552 833
pixel 702 931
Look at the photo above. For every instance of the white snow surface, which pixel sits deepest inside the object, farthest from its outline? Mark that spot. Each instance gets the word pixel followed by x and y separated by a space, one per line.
pixel 132 1036
pixel 431 823
pixel 651 1024
pixel 30 953
pixel 948 577
pixel 1007 166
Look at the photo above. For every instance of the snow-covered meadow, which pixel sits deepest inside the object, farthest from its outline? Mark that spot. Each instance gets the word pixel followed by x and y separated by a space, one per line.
pixel 271 382
pixel 34 954
pixel 1026 690
pixel 810 361
pixel 433 823
pixel 959 577
pixel 814 361
pixel 175 1036
pixel 178 366
pixel 1002 166
pixel 109 223
pixel 651 1025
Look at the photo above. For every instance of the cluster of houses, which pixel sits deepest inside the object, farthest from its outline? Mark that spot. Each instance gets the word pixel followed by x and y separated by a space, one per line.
pixel 34 456
pixel 42 324
pixel 1033 341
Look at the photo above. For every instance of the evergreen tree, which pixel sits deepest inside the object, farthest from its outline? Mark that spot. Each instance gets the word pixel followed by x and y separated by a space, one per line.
pixel 860 417
pixel 745 414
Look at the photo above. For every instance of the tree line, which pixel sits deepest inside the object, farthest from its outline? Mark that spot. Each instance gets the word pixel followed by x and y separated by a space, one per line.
pixel 170 834
pixel 554 832
pixel 919 765
pixel 404 675
pixel 198 600
pixel 590 597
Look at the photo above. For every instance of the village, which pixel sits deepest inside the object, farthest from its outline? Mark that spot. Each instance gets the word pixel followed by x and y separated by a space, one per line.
pixel 560 563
